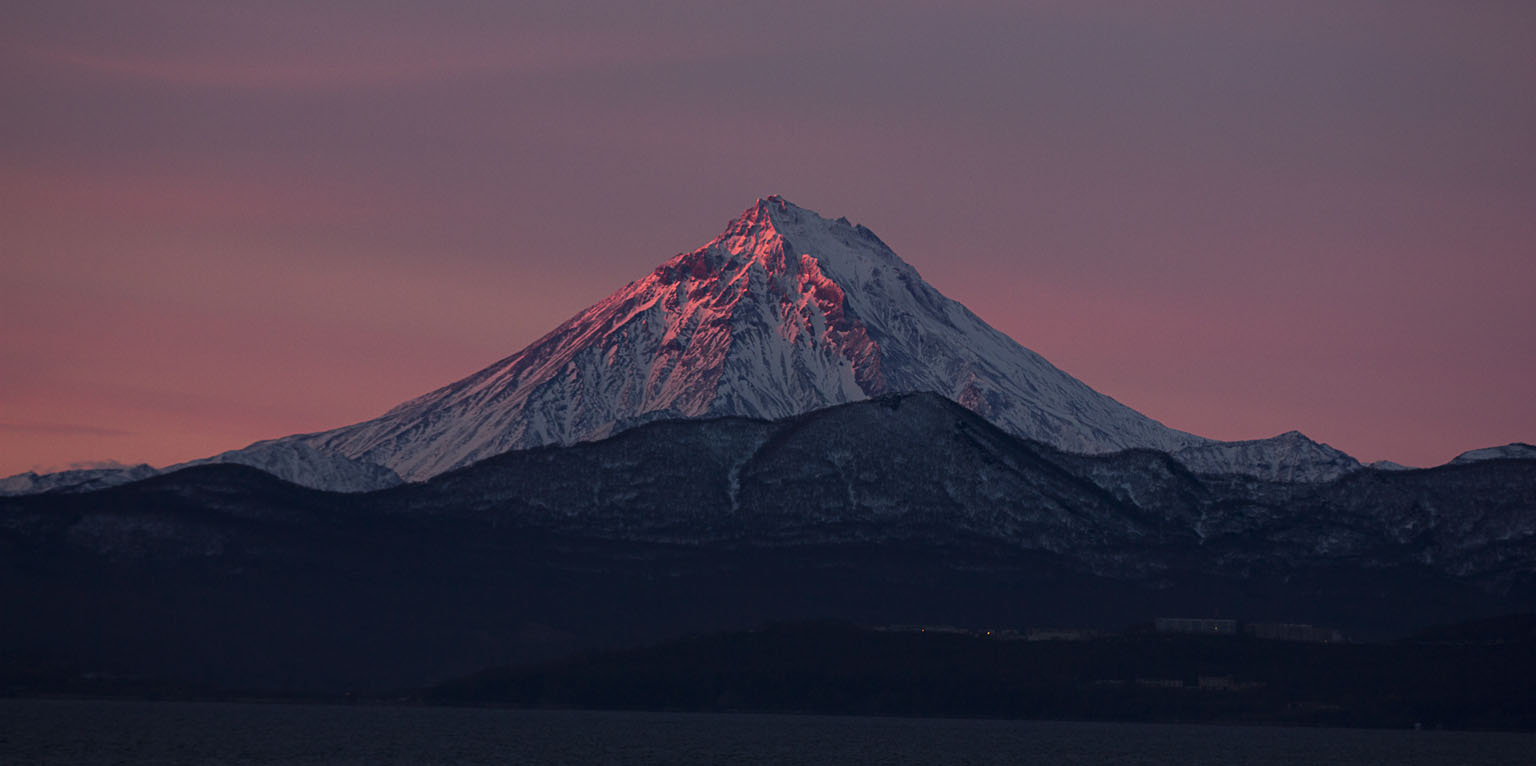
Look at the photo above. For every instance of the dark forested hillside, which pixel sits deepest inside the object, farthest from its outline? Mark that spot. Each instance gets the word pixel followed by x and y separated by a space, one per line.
pixel 904 509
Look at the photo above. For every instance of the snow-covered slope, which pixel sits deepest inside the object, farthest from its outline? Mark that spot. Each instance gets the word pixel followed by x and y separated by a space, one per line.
pixel 1291 456
pixel 74 480
pixel 1511 451
pixel 783 313
pixel 306 466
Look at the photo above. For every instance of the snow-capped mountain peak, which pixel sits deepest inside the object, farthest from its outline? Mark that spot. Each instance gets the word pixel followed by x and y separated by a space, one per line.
pixel 782 313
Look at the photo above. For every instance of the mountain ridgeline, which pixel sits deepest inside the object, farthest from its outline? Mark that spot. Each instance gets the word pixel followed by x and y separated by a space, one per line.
pixel 783 313
pixel 904 509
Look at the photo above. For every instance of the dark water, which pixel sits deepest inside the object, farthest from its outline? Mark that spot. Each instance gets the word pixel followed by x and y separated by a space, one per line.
pixel 101 732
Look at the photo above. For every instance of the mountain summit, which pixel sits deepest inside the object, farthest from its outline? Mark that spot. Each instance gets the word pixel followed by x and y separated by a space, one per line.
pixel 782 313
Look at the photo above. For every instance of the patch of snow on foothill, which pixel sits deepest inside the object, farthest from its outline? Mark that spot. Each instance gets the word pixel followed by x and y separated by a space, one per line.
pixel 1511 451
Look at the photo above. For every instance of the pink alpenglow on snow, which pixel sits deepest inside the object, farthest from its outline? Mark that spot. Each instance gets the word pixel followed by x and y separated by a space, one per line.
pixel 783 313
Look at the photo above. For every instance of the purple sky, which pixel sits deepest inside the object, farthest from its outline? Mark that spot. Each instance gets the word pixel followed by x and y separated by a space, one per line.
pixel 222 224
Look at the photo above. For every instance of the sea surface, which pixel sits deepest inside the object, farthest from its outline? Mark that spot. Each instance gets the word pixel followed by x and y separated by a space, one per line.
pixel 122 732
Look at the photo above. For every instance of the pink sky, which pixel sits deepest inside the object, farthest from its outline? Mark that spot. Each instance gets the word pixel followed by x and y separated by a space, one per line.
pixel 219 225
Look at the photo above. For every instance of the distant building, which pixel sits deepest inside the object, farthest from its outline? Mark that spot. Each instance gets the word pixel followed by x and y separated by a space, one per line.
pixel 1195 625
pixel 1279 631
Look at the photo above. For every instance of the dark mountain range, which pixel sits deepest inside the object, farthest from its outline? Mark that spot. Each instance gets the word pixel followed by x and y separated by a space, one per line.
pixel 898 510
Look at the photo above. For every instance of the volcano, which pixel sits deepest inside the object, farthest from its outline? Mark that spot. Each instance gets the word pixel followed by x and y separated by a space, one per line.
pixel 783 313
